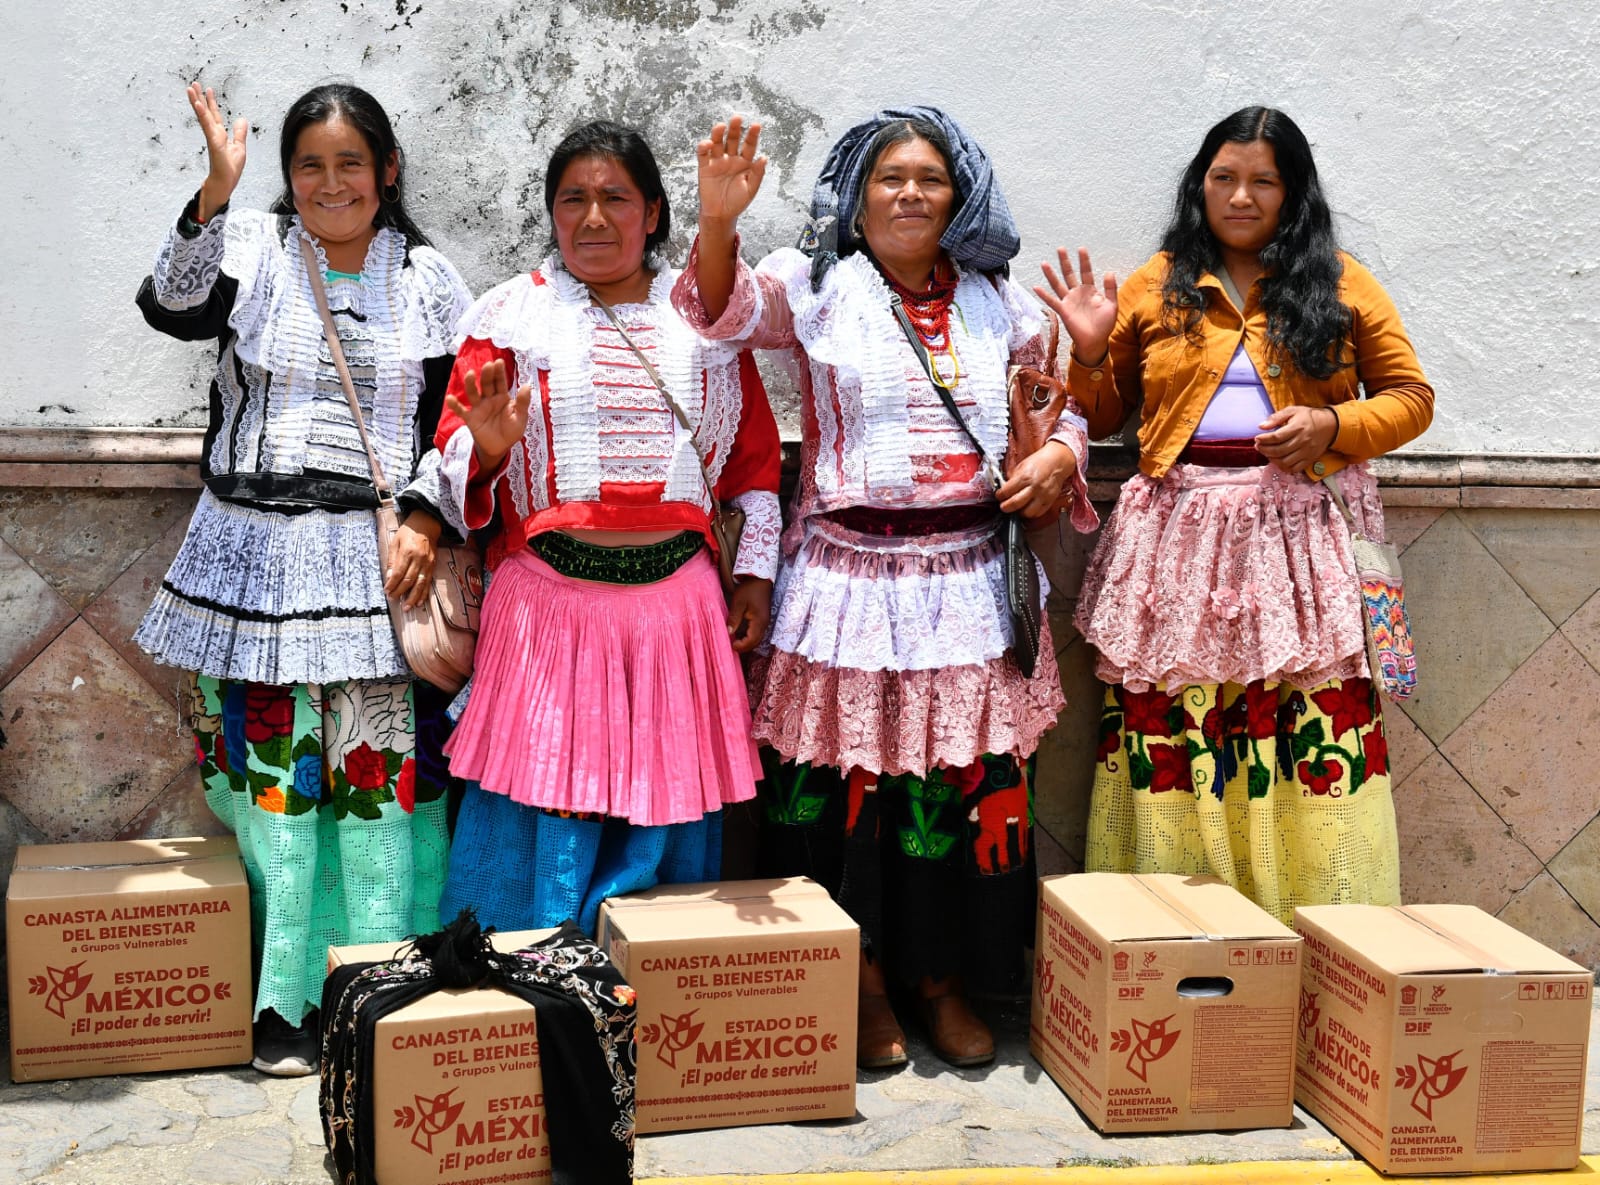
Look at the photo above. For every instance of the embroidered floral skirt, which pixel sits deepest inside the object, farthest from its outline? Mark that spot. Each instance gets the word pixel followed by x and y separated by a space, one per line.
pixel 340 819
pixel 1283 792
pixel 1240 736
pixel 903 730
pixel 937 869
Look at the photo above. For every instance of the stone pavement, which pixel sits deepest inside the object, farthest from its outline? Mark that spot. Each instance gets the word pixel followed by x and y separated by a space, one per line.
pixel 235 1127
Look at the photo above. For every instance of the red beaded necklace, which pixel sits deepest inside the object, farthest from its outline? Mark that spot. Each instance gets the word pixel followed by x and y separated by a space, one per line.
pixel 930 315
pixel 929 311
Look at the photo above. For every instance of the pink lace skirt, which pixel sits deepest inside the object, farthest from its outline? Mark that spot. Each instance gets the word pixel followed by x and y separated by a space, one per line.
pixel 622 700
pixel 890 654
pixel 1228 576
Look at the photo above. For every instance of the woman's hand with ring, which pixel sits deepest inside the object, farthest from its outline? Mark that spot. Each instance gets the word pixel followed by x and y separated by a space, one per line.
pixel 1036 483
pixel 730 172
pixel 411 554
pixel 1293 437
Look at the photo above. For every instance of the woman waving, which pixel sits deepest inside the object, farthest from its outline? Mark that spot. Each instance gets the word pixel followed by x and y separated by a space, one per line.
pixel 1241 733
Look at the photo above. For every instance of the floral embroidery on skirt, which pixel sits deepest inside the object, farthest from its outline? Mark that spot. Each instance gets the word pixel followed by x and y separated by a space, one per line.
pixel 1281 791
pixel 342 840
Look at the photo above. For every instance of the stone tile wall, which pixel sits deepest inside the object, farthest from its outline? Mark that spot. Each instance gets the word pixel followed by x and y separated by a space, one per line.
pixel 1498 804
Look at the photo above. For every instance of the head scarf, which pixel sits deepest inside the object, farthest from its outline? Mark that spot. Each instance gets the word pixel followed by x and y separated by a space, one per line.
pixel 981 234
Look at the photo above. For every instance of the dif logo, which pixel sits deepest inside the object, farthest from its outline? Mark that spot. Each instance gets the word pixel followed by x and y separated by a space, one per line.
pixel 1417 1028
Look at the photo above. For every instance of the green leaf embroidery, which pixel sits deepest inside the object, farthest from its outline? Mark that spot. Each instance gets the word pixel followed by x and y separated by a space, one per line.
pixel 307 746
pixel 1141 771
pixel 1260 780
pixel 272 752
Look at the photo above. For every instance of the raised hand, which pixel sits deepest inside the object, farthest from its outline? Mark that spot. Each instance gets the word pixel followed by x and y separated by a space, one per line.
pixel 730 170
pixel 1087 313
pixel 495 417
pixel 225 149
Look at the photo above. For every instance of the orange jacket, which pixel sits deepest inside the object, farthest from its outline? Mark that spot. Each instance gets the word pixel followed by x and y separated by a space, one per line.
pixel 1175 378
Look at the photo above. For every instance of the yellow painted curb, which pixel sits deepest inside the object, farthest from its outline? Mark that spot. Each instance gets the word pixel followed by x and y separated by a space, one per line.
pixel 1283 1172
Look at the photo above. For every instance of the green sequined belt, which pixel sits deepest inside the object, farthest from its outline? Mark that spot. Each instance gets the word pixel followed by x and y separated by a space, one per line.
pixel 616 565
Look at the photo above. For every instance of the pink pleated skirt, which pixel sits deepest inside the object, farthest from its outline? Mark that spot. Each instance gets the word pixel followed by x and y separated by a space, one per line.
pixel 620 700
pixel 1221 575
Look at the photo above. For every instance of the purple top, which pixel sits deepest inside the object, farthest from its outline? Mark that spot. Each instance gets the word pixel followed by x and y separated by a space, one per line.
pixel 1239 405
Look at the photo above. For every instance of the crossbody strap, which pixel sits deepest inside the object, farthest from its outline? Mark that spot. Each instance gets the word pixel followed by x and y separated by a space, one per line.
pixel 1338 500
pixel 655 377
pixel 320 294
pixel 990 469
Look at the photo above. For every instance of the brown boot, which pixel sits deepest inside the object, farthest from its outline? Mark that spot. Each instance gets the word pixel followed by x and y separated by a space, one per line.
pixel 958 1035
pixel 880 1041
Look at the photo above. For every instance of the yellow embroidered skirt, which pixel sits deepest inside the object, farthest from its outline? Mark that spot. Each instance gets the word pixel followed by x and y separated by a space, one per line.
pixel 1281 791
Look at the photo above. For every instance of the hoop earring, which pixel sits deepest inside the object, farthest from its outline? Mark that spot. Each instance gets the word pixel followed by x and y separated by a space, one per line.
pixel 391 193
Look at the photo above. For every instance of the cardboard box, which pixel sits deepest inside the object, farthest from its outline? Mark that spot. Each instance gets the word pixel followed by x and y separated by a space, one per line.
pixel 1437 1039
pixel 458 1096
pixel 127 957
pixel 747 1001
pixel 1165 1003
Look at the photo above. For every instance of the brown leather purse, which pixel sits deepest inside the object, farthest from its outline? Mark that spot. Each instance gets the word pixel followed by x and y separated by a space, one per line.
pixel 1037 399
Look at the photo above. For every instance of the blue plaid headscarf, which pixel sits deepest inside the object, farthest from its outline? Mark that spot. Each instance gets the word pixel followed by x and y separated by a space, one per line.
pixel 981 234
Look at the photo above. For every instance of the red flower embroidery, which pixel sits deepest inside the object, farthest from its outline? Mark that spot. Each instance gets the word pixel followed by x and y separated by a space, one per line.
pixel 1375 747
pixel 405 788
pixel 199 752
pixel 268 712
pixel 1110 742
pixel 1171 768
pixel 1261 704
pixel 1146 712
pixel 219 752
pixel 1349 703
pixel 1319 776
pixel 365 767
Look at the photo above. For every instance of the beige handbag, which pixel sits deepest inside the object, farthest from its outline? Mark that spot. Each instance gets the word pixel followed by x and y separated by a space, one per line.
pixel 727 522
pixel 439 635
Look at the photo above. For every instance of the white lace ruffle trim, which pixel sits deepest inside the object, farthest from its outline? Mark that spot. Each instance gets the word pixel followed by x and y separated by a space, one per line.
pixel 921 606
pixel 551 327
pixel 274 598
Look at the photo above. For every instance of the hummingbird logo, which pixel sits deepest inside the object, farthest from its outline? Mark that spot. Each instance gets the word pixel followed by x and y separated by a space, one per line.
pixel 60 986
pixel 677 1034
pixel 1434 1078
pixel 1310 1014
pixel 431 1117
pixel 1147 1043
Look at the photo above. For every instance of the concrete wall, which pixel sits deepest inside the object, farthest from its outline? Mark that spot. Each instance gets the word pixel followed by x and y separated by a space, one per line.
pixel 1457 142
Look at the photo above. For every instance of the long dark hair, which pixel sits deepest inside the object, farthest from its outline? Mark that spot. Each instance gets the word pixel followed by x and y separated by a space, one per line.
pixel 364 113
pixel 1306 321
pixel 628 147
pixel 901 131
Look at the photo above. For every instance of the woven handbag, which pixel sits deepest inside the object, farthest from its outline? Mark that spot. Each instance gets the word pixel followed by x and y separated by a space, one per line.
pixel 1391 652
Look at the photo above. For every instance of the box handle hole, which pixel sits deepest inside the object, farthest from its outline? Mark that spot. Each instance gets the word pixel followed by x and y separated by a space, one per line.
pixel 1202 986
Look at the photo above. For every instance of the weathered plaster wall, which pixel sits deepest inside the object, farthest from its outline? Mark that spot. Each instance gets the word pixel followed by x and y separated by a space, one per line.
pixel 1457 141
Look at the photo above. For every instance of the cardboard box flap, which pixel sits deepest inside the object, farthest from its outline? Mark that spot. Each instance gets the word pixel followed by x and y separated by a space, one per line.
pixel 45 871
pixel 1155 906
pixel 775 888
pixel 1435 940
pixel 126 853
pixel 1499 947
